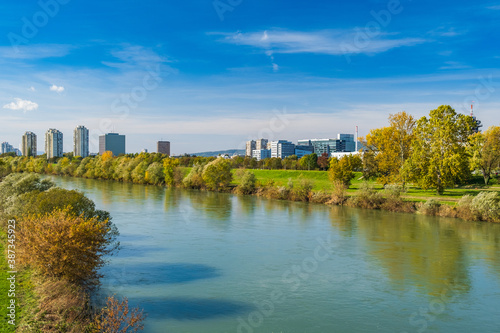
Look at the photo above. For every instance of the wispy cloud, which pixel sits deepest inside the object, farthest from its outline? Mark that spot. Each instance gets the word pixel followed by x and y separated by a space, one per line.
pixel 454 65
pixel 57 89
pixel 32 88
pixel 133 56
pixel 332 42
pixel 21 104
pixel 495 7
pixel 39 51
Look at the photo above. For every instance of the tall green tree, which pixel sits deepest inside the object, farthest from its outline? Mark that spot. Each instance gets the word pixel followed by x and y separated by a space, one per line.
pixel 439 158
pixel 309 162
pixel 485 151
pixel 343 169
pixel 217 174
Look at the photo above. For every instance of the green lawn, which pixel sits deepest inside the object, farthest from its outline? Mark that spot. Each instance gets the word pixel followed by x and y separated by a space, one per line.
pixel 322 182
pixel 4 290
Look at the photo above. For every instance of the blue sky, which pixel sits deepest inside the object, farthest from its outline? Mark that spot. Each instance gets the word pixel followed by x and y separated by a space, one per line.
pixel 209 75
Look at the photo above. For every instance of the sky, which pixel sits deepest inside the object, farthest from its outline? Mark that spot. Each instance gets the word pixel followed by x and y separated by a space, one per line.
pixel 210 75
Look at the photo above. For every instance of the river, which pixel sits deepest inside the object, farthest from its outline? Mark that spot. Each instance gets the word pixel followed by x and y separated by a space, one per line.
pixel 215 262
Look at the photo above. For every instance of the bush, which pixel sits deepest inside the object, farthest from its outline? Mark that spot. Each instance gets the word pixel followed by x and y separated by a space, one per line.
pixel 154 174
pixel 65 246
pixel 217 174
pixel 367 197
pixel 247 183
pixel 430 207
pixel 339 195
pixel 17 184
pixel 194 178
pixel 486 206
pixel 116 317
pixel 302 192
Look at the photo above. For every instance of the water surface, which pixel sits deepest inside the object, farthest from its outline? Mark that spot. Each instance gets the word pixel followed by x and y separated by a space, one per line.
pixel 210 262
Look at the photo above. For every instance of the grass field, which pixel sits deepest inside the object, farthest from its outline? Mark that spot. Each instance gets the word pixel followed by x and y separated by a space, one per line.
pixel 322 182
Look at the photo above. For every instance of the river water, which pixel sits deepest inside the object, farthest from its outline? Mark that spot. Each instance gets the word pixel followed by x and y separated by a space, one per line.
pixel 210 262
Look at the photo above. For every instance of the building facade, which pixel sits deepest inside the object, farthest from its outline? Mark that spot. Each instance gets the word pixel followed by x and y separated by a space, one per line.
pixel 112 142
pixel 163 147
pixel 343 143
pixel 7 148
pixel 81 142
pixel 261 144
pixel 282 149
pixel 29 146
pixel 53 143
pixel 251 146
pixel 302 150
pixel 261 154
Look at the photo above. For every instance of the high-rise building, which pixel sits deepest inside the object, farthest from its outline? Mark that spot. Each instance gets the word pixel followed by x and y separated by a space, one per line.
pixel 303 150
pixel 282 148
pixel 81 142
pixel 163 147
pixel 53 143
pixel 7 148
pixel 112 142
pixel 251 146
pixel 29 144
pixel 261 144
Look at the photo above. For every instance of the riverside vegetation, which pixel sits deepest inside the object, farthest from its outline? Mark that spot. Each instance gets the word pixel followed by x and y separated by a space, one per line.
pixel 398 167
pixel 61 241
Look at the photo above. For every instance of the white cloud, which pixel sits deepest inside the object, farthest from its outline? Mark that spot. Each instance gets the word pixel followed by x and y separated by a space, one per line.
pixel 496 7
pixel 320 42
pixel 32 88
pixel 276 67
pixel 57 89
pixel 21 104
pixel 39 51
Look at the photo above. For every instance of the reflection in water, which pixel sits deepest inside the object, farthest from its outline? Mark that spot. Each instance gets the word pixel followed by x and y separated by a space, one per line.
pixel 198 261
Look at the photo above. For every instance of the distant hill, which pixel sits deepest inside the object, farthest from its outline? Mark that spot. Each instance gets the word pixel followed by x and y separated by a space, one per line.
pixel 229 152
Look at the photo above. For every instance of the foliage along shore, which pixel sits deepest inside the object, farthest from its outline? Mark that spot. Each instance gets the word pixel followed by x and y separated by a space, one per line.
pixel 60 241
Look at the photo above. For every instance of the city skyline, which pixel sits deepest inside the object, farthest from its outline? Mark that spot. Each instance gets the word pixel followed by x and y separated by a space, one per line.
pixel 212 79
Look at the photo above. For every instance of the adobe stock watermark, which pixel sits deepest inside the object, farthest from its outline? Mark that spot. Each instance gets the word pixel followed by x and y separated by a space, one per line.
pixel 363 37
pixel 484 89
pixel 292 280
pixel 122 106
pixel 422 318
pixel 223 6
pixel 277 124
pixel 32 25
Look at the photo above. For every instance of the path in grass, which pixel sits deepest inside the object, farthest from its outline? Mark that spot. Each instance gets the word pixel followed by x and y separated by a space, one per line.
pixel 4 291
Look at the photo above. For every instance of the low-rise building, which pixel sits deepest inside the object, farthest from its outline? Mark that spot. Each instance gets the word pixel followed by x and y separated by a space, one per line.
pixel 261 154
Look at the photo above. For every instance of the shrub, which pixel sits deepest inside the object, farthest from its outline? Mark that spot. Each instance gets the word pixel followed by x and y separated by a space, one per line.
pixel 17 184
pixel 302 191
pixel 430 207
pixel 62 245
pixel 170 167
pixel 217 174
pixel 194 178
pixel 367 197
pixel 154 174
pixel 247 183
pixel 339 195
pixel 487 206
pixel 464 209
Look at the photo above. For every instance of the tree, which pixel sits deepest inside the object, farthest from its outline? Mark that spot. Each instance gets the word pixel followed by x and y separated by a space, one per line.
pixel 247 183
pixel 323 161
pixel 309 161
pixel 217 174
pixel 169 166
pixel 439 158
pixel 154 174
pixel 485 151
pixel 390 147
pixel 343 169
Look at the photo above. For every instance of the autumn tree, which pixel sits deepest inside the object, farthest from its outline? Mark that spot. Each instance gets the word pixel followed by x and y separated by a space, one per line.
pixel 389 147
pixel 343 169
pixel 485 151
pixel 323 161
pixel 439 158
pixel 169 166
pixel 217 174
pixel 117 317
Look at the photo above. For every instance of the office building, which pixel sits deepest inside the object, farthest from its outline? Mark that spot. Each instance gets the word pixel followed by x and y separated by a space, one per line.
pixel 282 149
pixel 261 154
pixel 302 150
pixel 112 142
pixel 28 147
pixel 81 142
pixel 251 146
pixel 163 147
pixel 261 144
pixel 343 143
pixel 7 148
pixel 53 143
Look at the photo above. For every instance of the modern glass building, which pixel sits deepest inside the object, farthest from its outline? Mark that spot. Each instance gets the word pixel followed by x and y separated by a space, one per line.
pixel 112 142
pixel 7 148
pixel 282 149
pixel 261 154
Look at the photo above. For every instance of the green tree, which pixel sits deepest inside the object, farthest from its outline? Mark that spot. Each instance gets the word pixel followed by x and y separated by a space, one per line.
pixel 343 169
pixel 247 183
pixel 439 158
pixel 217 174
pixel 485 151
pixel 309 162
pixel 154 174
pixel 169 166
